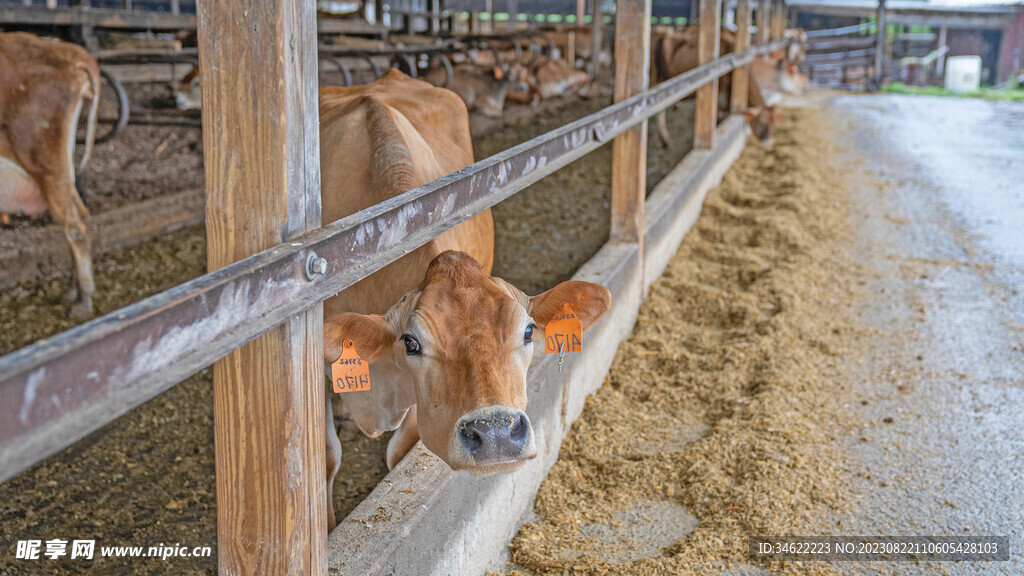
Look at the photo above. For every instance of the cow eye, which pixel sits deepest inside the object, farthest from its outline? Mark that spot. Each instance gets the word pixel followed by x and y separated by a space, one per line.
pixel 528 337
pixel 412 346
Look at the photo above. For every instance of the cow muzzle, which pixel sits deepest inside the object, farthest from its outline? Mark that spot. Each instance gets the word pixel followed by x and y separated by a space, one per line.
pixel 492 439
pixel 183 102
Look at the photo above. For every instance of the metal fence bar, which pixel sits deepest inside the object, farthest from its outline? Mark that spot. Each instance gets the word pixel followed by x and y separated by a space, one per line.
pixel 825 57
pixel 841 31
pixel 57 390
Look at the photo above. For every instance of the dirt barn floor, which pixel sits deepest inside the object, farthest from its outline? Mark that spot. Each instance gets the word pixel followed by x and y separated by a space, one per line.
pixel 148 477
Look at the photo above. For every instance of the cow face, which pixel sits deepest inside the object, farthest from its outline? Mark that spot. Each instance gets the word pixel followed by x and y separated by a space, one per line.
pixel 464 340
pixel 492 102
pixel 188 95
pixel 791 81
pixel 763 121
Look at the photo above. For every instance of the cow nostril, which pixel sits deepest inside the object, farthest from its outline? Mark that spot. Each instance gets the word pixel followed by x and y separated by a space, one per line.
pixel 519 429
pixel 470 438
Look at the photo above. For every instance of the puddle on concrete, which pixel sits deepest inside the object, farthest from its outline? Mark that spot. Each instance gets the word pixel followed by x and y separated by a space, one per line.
pixel 640 532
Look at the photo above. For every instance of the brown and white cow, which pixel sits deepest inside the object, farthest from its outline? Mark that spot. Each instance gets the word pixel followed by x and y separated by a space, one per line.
pixel 448 344
pixel 771 77
pixel 556 78
pixel 550 77
pixel 188 95
pixel 482 88
pixel 43 86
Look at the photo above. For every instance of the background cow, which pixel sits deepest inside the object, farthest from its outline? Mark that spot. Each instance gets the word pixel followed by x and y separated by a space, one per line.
pixel 43 85
pixel 771 77
pixel 481 88
pixel 448 344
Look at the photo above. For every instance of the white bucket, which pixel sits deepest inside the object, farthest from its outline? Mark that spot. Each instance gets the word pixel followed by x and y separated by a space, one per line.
pixel 963 74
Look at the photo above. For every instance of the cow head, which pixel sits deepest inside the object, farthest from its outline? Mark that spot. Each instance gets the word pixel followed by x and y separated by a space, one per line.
pixel 464 340
pixel 520 90
pixel 492 102
pixel 791 81
pixel 188 95
pixel 763 121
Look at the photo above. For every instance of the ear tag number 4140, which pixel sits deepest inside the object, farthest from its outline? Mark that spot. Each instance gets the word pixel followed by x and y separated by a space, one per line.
pixel 349 372
pixel 563 334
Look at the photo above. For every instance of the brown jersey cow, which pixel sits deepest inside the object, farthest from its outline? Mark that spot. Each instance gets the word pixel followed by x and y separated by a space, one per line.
pixel 448 344
pixel 43 86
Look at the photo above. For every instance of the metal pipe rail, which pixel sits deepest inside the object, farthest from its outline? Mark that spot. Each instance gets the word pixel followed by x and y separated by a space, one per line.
pixel 841 31
pixel 830 56
pixel 57 390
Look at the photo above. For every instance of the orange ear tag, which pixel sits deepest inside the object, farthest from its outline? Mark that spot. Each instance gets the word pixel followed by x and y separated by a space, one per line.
pixel 564 333
pixel 349 372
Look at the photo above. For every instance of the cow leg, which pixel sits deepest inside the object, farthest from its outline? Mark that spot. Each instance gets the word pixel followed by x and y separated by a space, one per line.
pixel 81 252
pixel 666 141
pixel 333 453
pixel 772 117
pixel 69 212
pixel 404 439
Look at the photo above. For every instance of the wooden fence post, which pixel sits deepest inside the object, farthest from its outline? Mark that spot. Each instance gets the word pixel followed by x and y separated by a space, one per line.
pixel 778 22
pixel 741 75
pixel 940 64
pixel 596 42
pixel 764 15
pixel 261 149
pixel 629 149
pixel 706 114
pixel 513 14
pixel 434 21
pixel 880 45
pixel 570 49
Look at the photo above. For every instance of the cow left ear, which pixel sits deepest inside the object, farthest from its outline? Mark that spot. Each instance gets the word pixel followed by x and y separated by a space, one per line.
pixel 589 301
pixel 371 335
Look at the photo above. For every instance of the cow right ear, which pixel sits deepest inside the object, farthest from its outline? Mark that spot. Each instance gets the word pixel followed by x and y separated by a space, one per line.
pixel 371 335
pixel 589 301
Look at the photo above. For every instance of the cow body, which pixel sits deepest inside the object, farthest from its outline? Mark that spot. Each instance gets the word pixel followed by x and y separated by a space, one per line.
pixel 482 89
pixel 556 78
pixel 448 345
pixel 43 86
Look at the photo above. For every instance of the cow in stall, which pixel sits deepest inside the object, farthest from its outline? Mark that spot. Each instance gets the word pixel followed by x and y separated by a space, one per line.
pixel 582 44
pixel 188 95
pixel 43 87
pixel 481 88
pixel 771 77
pixel 448 345
pixel 549 77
